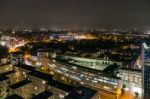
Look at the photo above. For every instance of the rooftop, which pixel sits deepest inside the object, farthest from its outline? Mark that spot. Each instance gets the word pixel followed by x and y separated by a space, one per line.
pixel 51 81
pixel 95 64
pixel 20 84
pixel 81 93
pixel 43 95
pixel 92 65
pixel 7 73
pixel 14 96
pixel 110 69
pixel 41 75
pixel 62 86
pixel 4 64
pixel 27 67
pixel 2 78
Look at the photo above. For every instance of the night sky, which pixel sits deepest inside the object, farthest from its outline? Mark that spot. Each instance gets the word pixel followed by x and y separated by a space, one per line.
pixel 72 14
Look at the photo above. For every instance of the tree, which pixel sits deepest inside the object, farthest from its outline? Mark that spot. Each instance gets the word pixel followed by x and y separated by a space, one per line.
pixel 123 88
pixel 136 94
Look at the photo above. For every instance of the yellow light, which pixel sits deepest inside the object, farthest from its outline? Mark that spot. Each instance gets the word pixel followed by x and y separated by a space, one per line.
pixel 118 91
pixel 42 68
pixel 12 49
pixel 27 56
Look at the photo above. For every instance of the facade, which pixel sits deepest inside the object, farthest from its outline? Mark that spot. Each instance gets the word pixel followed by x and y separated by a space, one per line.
pixel 16 57
pixel 146 70
pixel 132 79
pixel 6 68
pixel 3 86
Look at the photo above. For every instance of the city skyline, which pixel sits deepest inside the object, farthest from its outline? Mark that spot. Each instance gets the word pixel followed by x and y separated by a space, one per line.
pixel 74 49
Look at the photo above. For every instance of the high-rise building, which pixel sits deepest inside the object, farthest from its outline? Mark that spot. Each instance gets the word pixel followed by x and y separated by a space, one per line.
pixel 146 71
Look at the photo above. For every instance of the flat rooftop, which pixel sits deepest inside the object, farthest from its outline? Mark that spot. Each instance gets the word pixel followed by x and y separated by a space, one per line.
pixel 43 95
pixel 7 73
pixel 5 64
pixel 2 78
pixel 65 62
pixel 27 67
pixel 94 64
pixel 60 85
pixel 20 84
pixel 41 75
pixel 81 93
pixel 108 71
pixel 14 96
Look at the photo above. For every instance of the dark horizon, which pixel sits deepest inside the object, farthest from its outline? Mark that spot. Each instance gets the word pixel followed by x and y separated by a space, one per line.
pixel 74 14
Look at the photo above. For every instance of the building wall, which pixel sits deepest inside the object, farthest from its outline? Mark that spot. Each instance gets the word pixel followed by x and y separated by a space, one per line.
pixel 29 90
pixel 132 80
pixel 6 68
pixel 146 70
pixel 131 77
pixel 3 88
